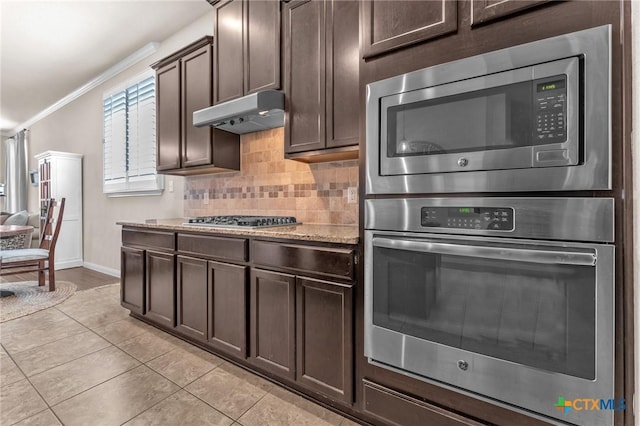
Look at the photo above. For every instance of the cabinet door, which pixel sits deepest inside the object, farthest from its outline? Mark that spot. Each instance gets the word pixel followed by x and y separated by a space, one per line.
pixel 262 45
pixel 160 288
pixel 488 10
pixel 168 117
pixel 132 279
pixel 272 329
pixel 197 94
pixel 342 98
pixel 305 75
pixel 228 308
pixel 191 297
pixel 324 338
pixel 390 25
pixel 228 62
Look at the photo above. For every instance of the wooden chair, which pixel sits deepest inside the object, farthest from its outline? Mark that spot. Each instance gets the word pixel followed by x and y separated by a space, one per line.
pixel 37 259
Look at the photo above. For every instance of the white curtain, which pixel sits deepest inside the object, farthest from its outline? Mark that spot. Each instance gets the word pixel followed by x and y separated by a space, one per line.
pixel 17 173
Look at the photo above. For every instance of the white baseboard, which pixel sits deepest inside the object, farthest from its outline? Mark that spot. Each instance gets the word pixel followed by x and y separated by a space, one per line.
pixel 68 264
pixel 103 269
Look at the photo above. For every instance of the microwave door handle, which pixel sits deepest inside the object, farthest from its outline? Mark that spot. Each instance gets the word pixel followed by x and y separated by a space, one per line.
pixel 487 252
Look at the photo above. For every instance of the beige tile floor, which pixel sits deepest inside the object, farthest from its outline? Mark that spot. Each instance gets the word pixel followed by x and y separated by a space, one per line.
pixel 86 362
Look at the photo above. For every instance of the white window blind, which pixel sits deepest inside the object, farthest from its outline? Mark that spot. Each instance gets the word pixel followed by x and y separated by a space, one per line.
pixel 129 142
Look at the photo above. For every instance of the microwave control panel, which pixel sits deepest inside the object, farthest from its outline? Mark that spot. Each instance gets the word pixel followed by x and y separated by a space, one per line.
pixel 480 218
pixel 550 104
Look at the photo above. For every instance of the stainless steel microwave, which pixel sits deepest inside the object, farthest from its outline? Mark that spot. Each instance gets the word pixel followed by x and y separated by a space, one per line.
pixel 534 117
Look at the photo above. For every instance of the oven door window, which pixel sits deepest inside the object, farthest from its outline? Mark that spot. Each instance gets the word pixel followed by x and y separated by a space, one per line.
pixel 539 315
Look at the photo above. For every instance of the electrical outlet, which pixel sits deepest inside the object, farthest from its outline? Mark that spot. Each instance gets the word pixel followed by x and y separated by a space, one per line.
pixel 352 194
pixel 170 186
pixel 206 198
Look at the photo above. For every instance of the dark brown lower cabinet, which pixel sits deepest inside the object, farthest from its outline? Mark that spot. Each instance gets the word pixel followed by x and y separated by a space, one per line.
pixel 228 308
pixel 272 324
pixel 394 408
pixel 191 297
pixel 160 289
pixel 132 279
pixel 324 338
pixel 287 310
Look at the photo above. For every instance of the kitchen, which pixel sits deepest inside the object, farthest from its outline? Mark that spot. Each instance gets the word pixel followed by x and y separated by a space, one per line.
pixel 306 171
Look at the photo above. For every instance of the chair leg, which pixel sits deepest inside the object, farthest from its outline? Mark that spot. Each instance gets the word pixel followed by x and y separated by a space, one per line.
pixel 52 276
pixel 41 273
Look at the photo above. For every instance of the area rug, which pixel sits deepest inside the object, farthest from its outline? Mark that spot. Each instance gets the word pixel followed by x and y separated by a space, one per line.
pixel 30 298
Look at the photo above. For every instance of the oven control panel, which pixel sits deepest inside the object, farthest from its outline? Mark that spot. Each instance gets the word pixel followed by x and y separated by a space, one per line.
pixel 480 218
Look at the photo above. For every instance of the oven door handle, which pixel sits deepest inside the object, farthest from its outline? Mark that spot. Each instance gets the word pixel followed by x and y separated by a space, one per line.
pixel 502 253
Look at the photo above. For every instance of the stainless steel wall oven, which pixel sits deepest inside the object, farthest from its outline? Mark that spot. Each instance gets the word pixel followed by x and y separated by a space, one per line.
pixel 534 117
pixel 510 299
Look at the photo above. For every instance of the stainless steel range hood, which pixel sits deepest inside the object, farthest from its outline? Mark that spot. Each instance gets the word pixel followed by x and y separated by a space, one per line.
pixel 252 113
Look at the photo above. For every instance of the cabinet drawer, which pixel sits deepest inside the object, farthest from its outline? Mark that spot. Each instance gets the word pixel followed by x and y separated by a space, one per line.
pixel 331 262
pixel 397 409
pixel 148 239
pixel 214 247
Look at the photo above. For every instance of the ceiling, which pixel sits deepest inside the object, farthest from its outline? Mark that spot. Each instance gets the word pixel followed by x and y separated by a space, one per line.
pixel 48 49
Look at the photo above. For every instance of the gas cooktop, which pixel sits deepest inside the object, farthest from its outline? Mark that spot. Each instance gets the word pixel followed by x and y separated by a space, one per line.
pixel 244 222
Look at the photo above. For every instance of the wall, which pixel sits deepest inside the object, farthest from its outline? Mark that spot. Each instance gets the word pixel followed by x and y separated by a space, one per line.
pixel 267 184
pixel 77 127
pixel 3 177
pixel 635 141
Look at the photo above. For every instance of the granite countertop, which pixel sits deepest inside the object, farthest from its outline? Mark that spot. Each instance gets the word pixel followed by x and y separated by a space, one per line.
pixel 342 234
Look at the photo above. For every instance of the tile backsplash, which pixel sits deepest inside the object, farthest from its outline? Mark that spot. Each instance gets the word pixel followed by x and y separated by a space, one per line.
pixel 267 184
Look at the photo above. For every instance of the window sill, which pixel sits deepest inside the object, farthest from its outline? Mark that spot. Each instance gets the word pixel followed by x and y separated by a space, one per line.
pixel 134 193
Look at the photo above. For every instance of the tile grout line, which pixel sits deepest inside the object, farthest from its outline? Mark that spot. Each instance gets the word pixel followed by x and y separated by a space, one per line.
pixel 177 384
pixel 76 359
pixel 27 378
pixel 34 388
pixel 84 325
pixel 114 344
pixel 52 307
pixel 254 404
pixel 33 415
pixel 149 408
pixel 180 388
pixel 205 402
pixel 96 385
pixel 86 355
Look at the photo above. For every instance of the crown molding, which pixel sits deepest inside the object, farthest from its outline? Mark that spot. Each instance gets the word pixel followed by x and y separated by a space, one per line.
pixel 134 58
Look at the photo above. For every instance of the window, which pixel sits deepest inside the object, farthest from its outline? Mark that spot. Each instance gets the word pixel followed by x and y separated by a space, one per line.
pixel 129 139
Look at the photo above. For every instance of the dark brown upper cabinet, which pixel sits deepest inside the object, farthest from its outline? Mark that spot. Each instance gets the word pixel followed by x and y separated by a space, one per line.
pixel 184 85
pixel 168 117
pixel 247 48
pixel 321 80
pixel 390 25
pixel 196 94
pixel 487 10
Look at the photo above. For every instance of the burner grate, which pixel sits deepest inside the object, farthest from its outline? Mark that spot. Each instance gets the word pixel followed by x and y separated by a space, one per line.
pixel 243 221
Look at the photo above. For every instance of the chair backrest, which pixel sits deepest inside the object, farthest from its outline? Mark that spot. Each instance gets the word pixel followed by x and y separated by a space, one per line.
pixel 46 213
pixel 52 224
